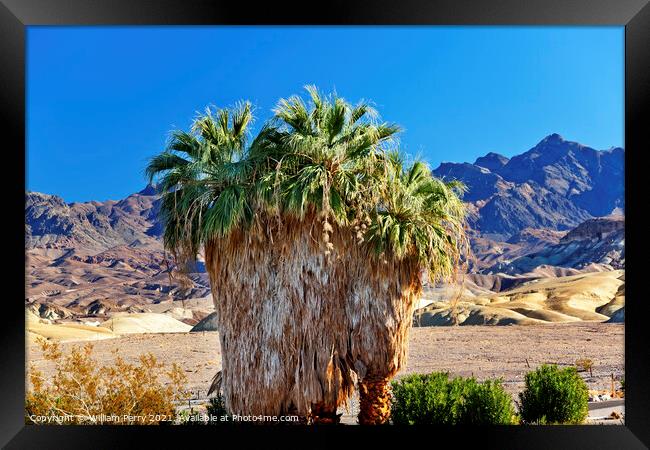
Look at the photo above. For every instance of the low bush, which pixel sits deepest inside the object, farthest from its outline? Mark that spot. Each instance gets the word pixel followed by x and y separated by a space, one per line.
pixel 419 399
pixel 435 399
pixel 215 414
pixel 82 391
pixel 554 396
pixel 585 365
pixel 486 403
pixel 216 410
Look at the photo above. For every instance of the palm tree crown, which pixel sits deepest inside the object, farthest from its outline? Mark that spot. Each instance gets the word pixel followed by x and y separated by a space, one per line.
pixel 327 158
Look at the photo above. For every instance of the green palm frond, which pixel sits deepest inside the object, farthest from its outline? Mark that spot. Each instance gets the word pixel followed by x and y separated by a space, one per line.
pixel 322 155
pixel 163 162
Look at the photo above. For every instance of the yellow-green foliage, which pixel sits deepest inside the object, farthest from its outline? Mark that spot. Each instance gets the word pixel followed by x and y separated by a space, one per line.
pixel 83 392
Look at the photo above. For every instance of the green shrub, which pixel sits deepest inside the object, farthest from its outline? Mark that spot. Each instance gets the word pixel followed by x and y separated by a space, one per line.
pixel 216 409
pixel 486 403
pixel 435 399
pixel 421 399
pixel 189 417
pixel 554 395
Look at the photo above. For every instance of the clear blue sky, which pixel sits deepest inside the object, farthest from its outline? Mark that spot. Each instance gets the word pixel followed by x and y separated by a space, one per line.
pixel 101 100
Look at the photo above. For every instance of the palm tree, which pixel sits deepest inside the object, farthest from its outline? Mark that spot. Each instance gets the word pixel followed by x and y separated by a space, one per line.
pixel 315 236
pixel 416 229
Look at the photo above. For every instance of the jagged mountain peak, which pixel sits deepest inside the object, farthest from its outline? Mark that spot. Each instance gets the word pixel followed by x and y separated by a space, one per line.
pixel 556 184
pixel 33 197
pixel 547 151
pixel 552 138
pixel 52 223
pixel 149 190
pixel 492 161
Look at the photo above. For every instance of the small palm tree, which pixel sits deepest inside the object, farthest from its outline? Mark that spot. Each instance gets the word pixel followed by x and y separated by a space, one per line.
pixel 315 236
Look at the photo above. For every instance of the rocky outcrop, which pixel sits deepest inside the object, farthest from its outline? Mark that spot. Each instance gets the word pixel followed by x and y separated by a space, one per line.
pixel 591 179
pixel 208 323
pixel 536 237
pixel 618 316
pixel 557 184
pixel 595 242
pixel 596 229
pixel 492 161
pixel 52 223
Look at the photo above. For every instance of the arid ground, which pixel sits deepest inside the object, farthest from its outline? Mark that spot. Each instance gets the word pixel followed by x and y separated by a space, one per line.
pixel 507 352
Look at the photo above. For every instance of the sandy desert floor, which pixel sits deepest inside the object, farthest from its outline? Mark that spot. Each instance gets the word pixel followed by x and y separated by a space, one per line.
pixel 507 352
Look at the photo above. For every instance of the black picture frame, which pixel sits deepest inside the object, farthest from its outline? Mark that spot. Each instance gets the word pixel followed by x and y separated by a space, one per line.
pixel 15 15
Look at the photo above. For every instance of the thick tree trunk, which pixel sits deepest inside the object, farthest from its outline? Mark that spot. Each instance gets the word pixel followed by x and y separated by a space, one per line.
pixel 375 401
pixel 297 328
pixel 381 319
pixel 324 415
pixel 281 312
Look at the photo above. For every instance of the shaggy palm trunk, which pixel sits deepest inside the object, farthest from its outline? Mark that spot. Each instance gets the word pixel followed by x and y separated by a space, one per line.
pixel 298 328
pixel 374 396
pixel 321 414
pixel 382 318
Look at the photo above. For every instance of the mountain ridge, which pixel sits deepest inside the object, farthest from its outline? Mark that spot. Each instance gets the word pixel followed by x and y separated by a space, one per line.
pixel 557 184
pixel 98 258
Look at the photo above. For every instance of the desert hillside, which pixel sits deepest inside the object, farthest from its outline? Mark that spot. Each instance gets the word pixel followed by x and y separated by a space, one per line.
pixel 547 240
pixel 594 296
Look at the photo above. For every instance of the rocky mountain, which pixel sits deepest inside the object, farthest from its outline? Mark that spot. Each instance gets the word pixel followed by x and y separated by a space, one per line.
pixel 94 226
pixel 535 238
pixel 556 185
pixel 532 216
pixel 488 252
pixel 591 179
pixel 596 243
pixel 492 161
pixel 96 258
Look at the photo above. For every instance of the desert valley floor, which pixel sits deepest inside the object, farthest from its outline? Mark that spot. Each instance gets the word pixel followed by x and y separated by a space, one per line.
pixel 482 351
